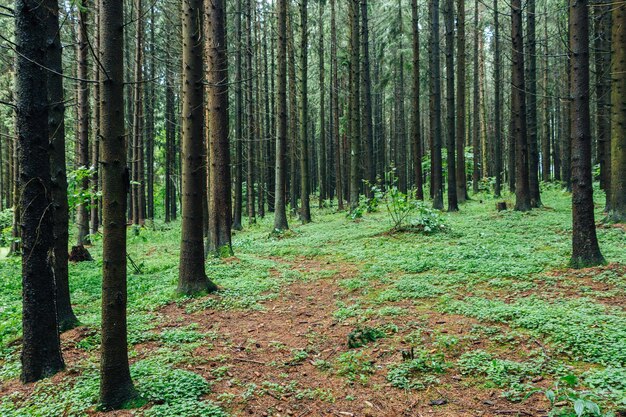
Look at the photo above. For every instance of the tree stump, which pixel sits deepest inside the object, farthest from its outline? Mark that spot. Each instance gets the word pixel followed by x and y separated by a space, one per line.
pixel 80 254
pixel 501 206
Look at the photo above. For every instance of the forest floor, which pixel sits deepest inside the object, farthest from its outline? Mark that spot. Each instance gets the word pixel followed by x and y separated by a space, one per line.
pixel 340 318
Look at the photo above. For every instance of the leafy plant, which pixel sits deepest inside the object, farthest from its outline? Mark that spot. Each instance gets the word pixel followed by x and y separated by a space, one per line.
pixel 566 401
pixel 361 336
pixel 355 366
pixel 418 372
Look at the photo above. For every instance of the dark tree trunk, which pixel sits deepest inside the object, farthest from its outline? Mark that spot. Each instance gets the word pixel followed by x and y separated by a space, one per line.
pixel 476 108
pixel 150 109
pixel 546 133
pixel 355 120
pixel 585 248
pixel 533 150
pixel 41 348
pixel 435 107
pixel 602 43
pixel 461 175
pixel 618 114
pixel 251 136
pixel 566 147
pixel 82 156
pixel 305 210
pixel 238 203
pixel 518 109
pixel 450 142
pixel 94 223
pixel 56 125
pixel 192 276
pixel 334 99
pixel 280 216
pixel 138 120
pixel 416 134
pixel 368 131
pixel 321 166
pixel 116 386
pixel 170 138
pixel 293 136
pixel 498 103
pixel 219 241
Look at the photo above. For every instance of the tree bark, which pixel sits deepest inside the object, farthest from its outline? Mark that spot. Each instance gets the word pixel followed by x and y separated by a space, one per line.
pixel 533 150
pixel 56 125
pixel 450 129
pixel 305 210
pixel 497 103
pixel 355 120
pixel 280 216
pixel 41 348
pixel 476 108
pixel 461 175
pixel 602 44
pixel 618 114
pixel 435 107
pixel 518 106
pixel 585 248
pixel 192 276
pixel 334 99
pixel 322 166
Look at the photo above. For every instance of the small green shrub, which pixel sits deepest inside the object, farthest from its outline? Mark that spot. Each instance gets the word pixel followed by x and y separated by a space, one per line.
pixel 417 373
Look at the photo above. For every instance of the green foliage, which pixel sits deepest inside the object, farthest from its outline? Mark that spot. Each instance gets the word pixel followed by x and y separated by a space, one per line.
pixel 566 401
pixel 355 366
pixel 361 336
pixel 159 382
pixel 186 409
pixel 76 194
pixel 417 373
pixel 610 381
pixel 6 222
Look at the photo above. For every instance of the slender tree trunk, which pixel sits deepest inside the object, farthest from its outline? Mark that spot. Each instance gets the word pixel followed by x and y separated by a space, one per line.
pixel 238 204
pixel 138 120
pixel 416 139
pixel 518 108
pixel 305 210
pixel 498 103
pixel 219 241
pixel 280 216
pixel 41 348
pixel 476 108
pixel 566 148
pixel 192 276
pixel 618 114
pixel 355 120
pixel 602 42
pixel 435 107
pixel 116 386
pixel 293 136
pixel 322 172
pixel 545 136
pixel 170 137
pixel 533 151
pixel 56 125
pixel 82 216
pixel 585 248
pixel 334 92
pixel 94 224
pixel 461 175
pixel 251 126
pixel 450 142
pixel 150 109
pixel 368 133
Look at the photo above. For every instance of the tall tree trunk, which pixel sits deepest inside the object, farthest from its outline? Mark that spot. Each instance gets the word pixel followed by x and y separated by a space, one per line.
pixel 116 386
pixel 56 126
pixel 251 126
pixel 566 147
pixel 450 129
pixel 238 203
pixel 585 248
pixel 602 42
pixel 280 204
pixel 518 109
pixel 293 137
pixel 82 157
pixel 416 134
pixel 192 276
pixel 618 114
pixel 435 107
pixel 476 107
pixel 368 133
pixel 322 171
pixel 170 137
pixel 219 241
pixel 334 93
pixel 498 103
pixel 305 210
pixel 41 348
pixel 533 151
pixel 545 135
pixel 461 176
pixel 138 120
pixel 94 224
pixel 355 120
pixel 150 109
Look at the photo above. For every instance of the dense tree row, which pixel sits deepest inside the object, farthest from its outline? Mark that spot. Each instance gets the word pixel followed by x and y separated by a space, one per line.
pixel 200 109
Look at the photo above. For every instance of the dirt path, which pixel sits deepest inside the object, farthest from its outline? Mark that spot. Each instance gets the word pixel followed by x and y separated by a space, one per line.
pixel 255 359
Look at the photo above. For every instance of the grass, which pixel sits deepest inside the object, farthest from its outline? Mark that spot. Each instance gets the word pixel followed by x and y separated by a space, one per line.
pixel 488 267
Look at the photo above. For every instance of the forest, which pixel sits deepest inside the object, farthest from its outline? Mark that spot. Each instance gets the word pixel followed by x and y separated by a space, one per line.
pixel 215 208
